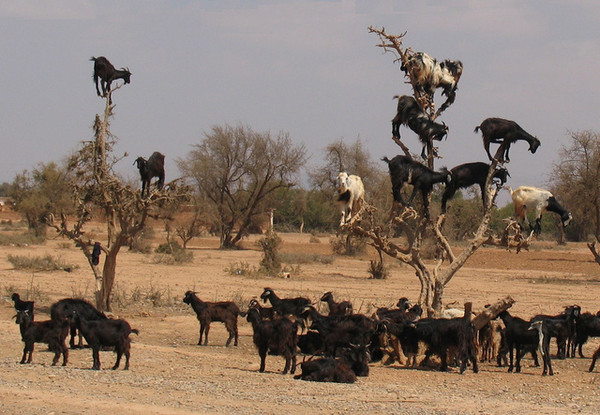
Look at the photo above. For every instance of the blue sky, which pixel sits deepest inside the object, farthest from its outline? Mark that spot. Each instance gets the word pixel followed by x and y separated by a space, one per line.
pixel 309 68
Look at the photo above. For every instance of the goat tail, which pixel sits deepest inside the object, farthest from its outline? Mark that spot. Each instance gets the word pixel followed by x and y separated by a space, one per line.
pixel 93 59
pixel 385 159
pixel 476 129
pixel 136 331
pixel 396 97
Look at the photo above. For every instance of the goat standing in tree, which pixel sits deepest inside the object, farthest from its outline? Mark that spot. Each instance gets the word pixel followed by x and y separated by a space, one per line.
pixel 153 167
pixel 504 132
pixel 107 73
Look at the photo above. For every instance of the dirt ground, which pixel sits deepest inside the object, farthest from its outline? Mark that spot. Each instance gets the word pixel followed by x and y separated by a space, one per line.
pixel 170 374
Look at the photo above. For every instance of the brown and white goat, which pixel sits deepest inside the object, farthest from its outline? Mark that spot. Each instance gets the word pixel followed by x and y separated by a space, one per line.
pixel 539 200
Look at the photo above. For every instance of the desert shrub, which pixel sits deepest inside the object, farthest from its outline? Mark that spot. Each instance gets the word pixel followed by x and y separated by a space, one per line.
pixel 143 241
pixel 172 253
pixel 314 239
pixel 241 268
pixel 40 263
pixel 345 245
pixel 21 239
pixel 378 270
pixel 306 258
pixel 270 263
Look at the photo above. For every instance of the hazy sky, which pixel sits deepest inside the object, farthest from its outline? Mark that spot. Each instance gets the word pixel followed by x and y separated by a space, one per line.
pixel 306 67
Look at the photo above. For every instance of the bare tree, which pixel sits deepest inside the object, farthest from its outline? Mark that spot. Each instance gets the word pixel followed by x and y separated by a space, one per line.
pixel 97 189
pixel 236 170
pixel 415 227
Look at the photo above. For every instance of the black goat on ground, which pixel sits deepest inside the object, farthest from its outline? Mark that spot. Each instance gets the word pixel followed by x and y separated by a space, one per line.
pixel 153 167
pixel 66 309
pixel 106 333
pixel 336 309
pixel 276 337
pixel 504 132
pixel 562 327
pixel 439 335
pixel 353 361
pixel 518 335
pixel 107 73
pixel 588 325
pixel 284 306
pixel 468 174
pixel 21 305
pixel 266 313
pixel 206 312
pixel 404 170
pixel 51 332
pixel 410 114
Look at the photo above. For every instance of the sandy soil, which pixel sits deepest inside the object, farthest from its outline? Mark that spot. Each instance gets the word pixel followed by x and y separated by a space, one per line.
pixel 170 374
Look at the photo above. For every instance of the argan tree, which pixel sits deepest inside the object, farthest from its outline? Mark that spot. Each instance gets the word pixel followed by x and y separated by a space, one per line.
pixel 99 194
pixel 415 227
pixel 237 170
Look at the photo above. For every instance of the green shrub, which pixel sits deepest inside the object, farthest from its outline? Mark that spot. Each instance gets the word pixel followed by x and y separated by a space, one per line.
pixel 45 263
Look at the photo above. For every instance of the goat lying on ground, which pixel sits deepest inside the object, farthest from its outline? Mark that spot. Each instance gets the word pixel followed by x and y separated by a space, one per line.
pixel 410 114
pixel 533 198
pixel 336 309
pixel 504 132
pixel 153 167
pixel 285 306
pixel 353 361
pixel 276 337
pixel 404 170
pixel 468 174
pixel 106 333
pixel 21 305
pixel 66 309
pixel 350 195
pixel 51 332
pixel 224 311
pixel 107 73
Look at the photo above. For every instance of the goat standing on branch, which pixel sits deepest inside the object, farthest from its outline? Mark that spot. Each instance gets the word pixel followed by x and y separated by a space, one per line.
pixel 504 132
pixel 406 171
pixel 468 174
pixel 350 195
pixel 107 73
pixel 410 114
pixel 427 74
pixel 153 167
pixel 540 200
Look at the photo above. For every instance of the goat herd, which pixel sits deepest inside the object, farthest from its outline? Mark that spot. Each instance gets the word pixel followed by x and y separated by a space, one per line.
pixel 337 347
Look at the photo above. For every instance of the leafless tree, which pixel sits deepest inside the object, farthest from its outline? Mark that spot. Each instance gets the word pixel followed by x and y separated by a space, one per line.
pixel 99 193
pixel 236 170
pixel 415 227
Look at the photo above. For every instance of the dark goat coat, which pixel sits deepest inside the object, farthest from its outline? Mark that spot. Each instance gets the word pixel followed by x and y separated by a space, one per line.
pixel 469 174
pixel 276 337
pixel 107 333
pixel 504 132
pixel 21 305
pixel 404 170
pixel 107 73
pixel 67 308
pixel 153 167
pixel 410 114
pixel 285 306
pixel 53 333
pixel 224 311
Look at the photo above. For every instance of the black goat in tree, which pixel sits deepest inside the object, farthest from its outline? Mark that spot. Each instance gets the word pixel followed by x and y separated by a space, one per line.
pixel 107 73
pixel 153 167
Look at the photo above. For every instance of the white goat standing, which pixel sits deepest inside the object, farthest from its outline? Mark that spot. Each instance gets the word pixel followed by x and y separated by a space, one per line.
pixel 528 197
pixel 351 195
